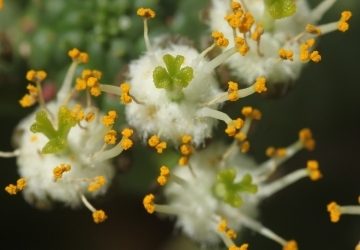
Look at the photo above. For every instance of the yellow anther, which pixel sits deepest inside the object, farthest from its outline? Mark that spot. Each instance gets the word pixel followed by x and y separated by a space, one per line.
pixel 241 45
pixel 186 139
pixel 146 13
pixel 230 130
pixel 27 101
pixel 310 42
pixel 161 147
pixel 222 226
pixel 31 75
pixel 334 209
pixel 126 143
pixel 164 175
pixel 59 170
pixel 247 111
pixel 231 234
pixel 99 216
pixel 86 73
pixel 343 24
pixel 246 22
pixel 313 168
pixel 110 137
pixel 259 85
pixel 80 84
pixel 20 184
pixel 96 184
pixel 242 247
pixel 281 152
pixel 77 112
pixel 256 35
pixel 11 189
pixel 95 91
pixel 312 29
pixel 305 136
pixel 91 81
pixel 245 147
pixel 125 97
pixel 74 53
pixel 234 19
pixel 238 123
pixel 270 152
pixel 33 90
pixel 90 117
pixel 148 203
pixel 219 39
pixel 240 136
pixel 84 57
pixel 286 54
pixel 36 76
pixel 153 141
pixel 291 245
pixel 315 56
pixel 233 126
pixel 183 161
pixel 109 119
pixel 235 6
pixel 185 149
pixel 127 132
pixel 233 91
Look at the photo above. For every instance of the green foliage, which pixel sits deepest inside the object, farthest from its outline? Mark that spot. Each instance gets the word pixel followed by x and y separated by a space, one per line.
pixel 57 137
pixel 173 78
pixel 229 191
pixel 280 8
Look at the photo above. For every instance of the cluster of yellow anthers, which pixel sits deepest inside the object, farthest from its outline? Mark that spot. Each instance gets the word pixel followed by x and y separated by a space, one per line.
pixel 186 150
pixel 34 92
pixel 314 171
pixel 125 96
pixel 164 175
pixel 233 88
pixel 343 24
pixel 59 170
pixel 14 189
pixel 155 142
pixel 334 209
pixel 148 203
pixel 223 228
pixel 89 80
pixel 275 152
pixel 286 54
pixel 109 119
pixel 219 39
pixel 96 183
pixel 78 56
pixel 306 138
pixel 242 21
pixel 306 55
pixel 99 216
pixel 126 142
pixel 146 13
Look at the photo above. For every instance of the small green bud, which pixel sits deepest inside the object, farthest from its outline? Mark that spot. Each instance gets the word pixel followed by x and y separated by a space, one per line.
pixel 280 8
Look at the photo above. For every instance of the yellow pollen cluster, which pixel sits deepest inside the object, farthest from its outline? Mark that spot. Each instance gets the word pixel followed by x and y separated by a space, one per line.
pixel 313 168
pixel 77 112
pixel 233 127
pixel 99 216
pixel 312 29
pixel 109 119
pixel 241 45
pixel 260 84
pixel 125 96
pixel 275 152
pixel 126 142
pixel 343 24
pixel 286 54
pixel 305 136
pixel 154 142
pixel 96 184
pixel 256 35
pixel 89 79
pixel 90 117
pixel 233 91
pixel 219 39
pixel 78 56
pixel 252 113
pixel 334 209
pixel 164 175
pixel 58 171
pixel 36 76
pixel 148 203
pixel 291 245
pixel 110 137
pixel 306 55
pixel 223 228
pixel 146 13
pixel 185 149
pixel 29 99
pixel 14 189
pixel 242 247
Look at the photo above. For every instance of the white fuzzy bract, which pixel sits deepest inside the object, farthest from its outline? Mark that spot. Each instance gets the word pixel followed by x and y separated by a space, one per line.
pixel 158 114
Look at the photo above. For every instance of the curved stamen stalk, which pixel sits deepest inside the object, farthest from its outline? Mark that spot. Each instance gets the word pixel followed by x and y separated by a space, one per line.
pixel 14 153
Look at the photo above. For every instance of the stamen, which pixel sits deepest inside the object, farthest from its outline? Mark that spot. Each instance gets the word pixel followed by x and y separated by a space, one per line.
pixel 146 13
pixel 14 153
pixel 216 114
pixel 211 65
pixel 115 90
pixel 151 207
pixel 14 189
pixel 98 215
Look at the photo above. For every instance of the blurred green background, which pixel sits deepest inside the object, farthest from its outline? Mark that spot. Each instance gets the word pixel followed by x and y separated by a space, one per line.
pixel 325 98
